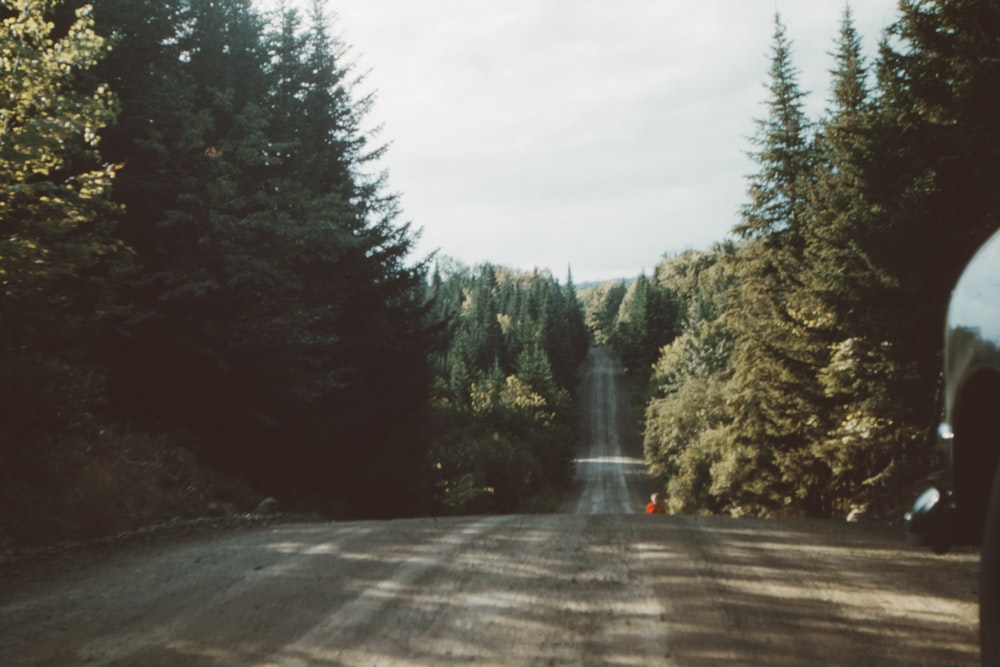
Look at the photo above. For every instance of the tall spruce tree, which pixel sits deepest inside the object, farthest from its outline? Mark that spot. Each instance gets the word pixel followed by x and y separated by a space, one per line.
pixel 777 190
pixel 577 326
pixel 191 127
pixel 841 286
pixel 934 166
pixel 277 313
pixel 938 131
pixel 840 272
pixel 774 398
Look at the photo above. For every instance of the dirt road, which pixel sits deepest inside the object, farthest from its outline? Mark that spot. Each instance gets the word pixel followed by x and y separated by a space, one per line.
pixel 610 473
pixel 601 586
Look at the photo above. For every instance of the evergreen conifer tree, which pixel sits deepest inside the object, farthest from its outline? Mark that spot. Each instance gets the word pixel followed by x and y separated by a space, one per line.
pixel 276 303
pixel 840 289
pixel 773 394
pixel 934 163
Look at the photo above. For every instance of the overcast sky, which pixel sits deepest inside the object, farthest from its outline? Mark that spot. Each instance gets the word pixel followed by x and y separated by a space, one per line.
pixel 589 134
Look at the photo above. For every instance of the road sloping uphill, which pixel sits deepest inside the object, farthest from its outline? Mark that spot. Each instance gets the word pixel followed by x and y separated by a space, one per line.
pixel 601 584
pixel 609 469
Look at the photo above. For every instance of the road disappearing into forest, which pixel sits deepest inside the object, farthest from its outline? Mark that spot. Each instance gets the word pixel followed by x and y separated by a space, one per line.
pixel 610 475
pixel 601 584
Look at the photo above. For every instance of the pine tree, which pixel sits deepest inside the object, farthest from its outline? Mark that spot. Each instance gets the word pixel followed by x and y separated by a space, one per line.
pixel 934 163
pixel 773 394
pixel 191 130
pixel 276 303
pixel 937 124
pixel 576 324
pixel 841 287
pixel 841 274
pixel 777 190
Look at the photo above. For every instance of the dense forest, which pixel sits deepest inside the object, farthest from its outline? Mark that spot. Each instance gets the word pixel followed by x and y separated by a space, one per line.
pixel 804 378
pixel 201 262
pixel 503 405
pixel 207 292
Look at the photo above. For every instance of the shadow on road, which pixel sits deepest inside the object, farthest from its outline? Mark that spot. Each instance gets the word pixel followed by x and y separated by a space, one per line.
pixel 547 590
pixel 596 585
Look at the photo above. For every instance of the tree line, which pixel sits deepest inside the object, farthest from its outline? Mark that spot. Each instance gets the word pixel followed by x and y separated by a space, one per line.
pixel 197 244
pixel 804 375
pixel 504 412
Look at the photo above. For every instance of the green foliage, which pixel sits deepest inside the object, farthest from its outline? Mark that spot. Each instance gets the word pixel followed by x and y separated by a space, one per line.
pixel 774 401
pixel 229 264
pixel 505 418
pixel 648 318
pixel 805 377
pixel 775 211
pixel 58 252
pixel 687 414
pixel 54 198
pixel 600 306
pixel 275 312
pixel 81 485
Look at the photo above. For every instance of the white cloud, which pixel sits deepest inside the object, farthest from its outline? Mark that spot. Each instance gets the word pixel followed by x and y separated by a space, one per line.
pixel 579 132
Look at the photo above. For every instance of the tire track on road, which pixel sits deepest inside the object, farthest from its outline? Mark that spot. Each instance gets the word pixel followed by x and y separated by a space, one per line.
pixel 610 476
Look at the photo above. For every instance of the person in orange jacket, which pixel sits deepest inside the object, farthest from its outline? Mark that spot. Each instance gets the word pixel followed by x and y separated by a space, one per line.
pixel 656 505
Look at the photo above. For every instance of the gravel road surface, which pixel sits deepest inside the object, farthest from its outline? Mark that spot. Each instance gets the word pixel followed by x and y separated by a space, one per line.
pixel 598 585
pixel 610 473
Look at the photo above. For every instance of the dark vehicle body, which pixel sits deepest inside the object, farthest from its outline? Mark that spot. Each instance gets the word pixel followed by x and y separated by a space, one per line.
pixel 965 506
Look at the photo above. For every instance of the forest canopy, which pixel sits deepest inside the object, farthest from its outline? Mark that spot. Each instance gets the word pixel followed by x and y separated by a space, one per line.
pixel 805 374
pixel 201 257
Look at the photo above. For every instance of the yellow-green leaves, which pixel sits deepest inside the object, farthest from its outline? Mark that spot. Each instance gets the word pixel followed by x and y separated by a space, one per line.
pixel 52 210
pixel 40 112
